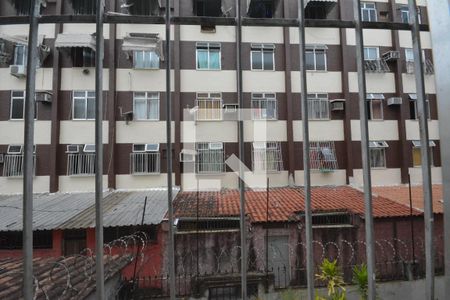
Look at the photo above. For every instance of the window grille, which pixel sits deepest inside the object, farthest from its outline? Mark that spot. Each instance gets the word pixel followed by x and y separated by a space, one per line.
pixel 13 165
pixel 318 107
pixel 264 106
pixel 323 156
pixel 378 154
pixel 80 164
pixel 84 7
pixel 145 159
pixel 267 157
pixel 210 158
pixel 209 106
pixel 335 219
pixel 207 225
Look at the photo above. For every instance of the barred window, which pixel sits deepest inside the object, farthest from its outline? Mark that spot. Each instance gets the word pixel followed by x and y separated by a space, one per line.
pixel 210 157
pixel 146 106
pixel 378 154
pixel 267 157
pixel 208 56
pixel 209 106
pixel 371 53
pixel 417 155
pixel 80 162
pixel 84 7
pixel 263 57
pixel 145 159
pixel 264 106
pixel 13 161
pixel 322 156
pixel 318 107
pixel 83 105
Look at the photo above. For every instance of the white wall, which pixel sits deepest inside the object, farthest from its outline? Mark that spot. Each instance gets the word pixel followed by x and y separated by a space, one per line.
pixel 80 132
pixel 413 133
pixel 338 177
pixel 379 177
pixel 142 132
pixel 318 82
pixel 331 130
pixel 11 132
pixel 79 183
pixel 41 184
pixel 386 130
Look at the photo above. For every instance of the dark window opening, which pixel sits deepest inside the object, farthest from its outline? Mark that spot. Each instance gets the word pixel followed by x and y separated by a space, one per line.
pixel 83 57
pixel 84 7
pixel 13 240
pixel 115 233
pixel 261 9
pixel 207 225
pixel 74 241
pixel 208 8
pixel 331 219
pixel 316 11
pixel 22 7
pixel 142 7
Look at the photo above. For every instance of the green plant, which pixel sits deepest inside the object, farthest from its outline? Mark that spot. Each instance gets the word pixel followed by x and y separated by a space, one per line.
pixel 331 274
pixel 360 278
pixel 290 295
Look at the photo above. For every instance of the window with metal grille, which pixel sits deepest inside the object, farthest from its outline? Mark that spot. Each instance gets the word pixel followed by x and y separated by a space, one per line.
pixel 83 57
pixel 261 8
pixel 83 105
pixel 13 161
pixel 209 106
pixel 207 224
pixel 372 61
pixel 264 106
pixel 262 57
pixel 17 111
pixel 333 219
pixel 145 59
pixel 409 60
pixel 208 56
pixel 82 163
pixel 84 7
pixel 145 159
pixel 12 240
pixel 378 154
pixel 404 14
pixel 368 12
pixel 322 156
pixel 316 58
pixel 22 7
pixel 267 157
pixel 146 106
pixel 318 107
pixel 417 156
pixel 210 157
pixel 20 55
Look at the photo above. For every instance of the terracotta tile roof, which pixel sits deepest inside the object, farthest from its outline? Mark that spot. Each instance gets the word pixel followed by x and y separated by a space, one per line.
pixel 400 194
pixel 53 275
pixel 284 203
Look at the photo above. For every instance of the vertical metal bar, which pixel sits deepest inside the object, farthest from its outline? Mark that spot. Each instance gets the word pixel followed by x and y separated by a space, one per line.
pixel 306 159
pixel 99 49
pixel 367 180
pixel 412 223
pixel 267 229
pixel 424 149
pixel 241 151
pixel 27 169
pixel 171 244
pixel 439 18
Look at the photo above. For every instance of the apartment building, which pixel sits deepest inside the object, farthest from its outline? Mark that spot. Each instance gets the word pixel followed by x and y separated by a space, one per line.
pixel 204 97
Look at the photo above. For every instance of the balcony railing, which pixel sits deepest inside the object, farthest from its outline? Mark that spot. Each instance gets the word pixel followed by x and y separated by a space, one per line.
pixel 13 165
pixel 145 163
pixel 323 157
pixel 80 164
pixel 428 67
pixel 376 66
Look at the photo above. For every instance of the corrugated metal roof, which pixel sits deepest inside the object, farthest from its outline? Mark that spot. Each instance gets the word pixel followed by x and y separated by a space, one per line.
pixel 77 210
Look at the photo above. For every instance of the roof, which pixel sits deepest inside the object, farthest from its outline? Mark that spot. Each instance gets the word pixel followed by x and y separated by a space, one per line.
pixel 56 275
pixel 77 210
pixel 284 203
pixel 400 194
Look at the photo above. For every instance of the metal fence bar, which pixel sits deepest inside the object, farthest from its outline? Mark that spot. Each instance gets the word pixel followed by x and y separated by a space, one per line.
pixel 171 244
pixel 424 149
pixel 306 146
pixel 367 181
pixel 439 18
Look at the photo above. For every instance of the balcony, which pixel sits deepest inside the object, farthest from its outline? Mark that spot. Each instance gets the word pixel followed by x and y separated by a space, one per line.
pixel 81 164
pixel 428 67
pixel 13 165
pixel 376 66
pixel 145 163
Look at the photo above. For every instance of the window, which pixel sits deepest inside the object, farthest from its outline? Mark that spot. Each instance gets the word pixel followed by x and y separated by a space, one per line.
pixel 264 106
pixel 375 106
pixel 83 105
pixel 263 57
pixel 18 105
pixel 404 14
pixel 409 55
pixel 11 240
pixel 20 55
pixel 334 219
pixel 315 10
pixel 417 156
pixel 145 159
pixel 209 106
pixel 378 154
pixel 409 58
pixel 210 157
pixel 83 57
pixel 371 53
pixel 146 106
pixel 145 60
pixel 142 7
pixel 322 156
pixel 115 233
pixel 208 8
pixel 207 225
pixel 13 161
pixel 316 58
pixel 368 12
pixel 261 8
pixel 318 107
pixel 84 7
pixel 208 56
pixel 267 157
pixel 81 163
pixel 413 111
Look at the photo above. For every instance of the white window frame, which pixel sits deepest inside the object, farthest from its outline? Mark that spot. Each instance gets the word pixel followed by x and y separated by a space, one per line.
pixel 147 97
pixel 315 51
pixel 409 55
pixel 416 116
pixel 405 9
pixel 210 150
pixel 260 49
pixel 319 159
pixel 259 99
pixel 147 58
pixel 318 99
pixel 366 58
pixel 264 148
pixel 380 147
pixel 86 98
pixel 208 46
pixel 149 157
pixel 18 98
pixel 369 7
pixel 214 98
pixel 22 61
pixel 89 148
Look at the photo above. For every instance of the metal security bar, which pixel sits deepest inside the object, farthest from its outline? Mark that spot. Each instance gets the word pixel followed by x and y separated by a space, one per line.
pixel 210 158
pixel 145 163
pixel 267 157
pixel 209 107
pixel 428 67
pixel 323 156
pixel 80 164
pixel 13 165
pixel 376 66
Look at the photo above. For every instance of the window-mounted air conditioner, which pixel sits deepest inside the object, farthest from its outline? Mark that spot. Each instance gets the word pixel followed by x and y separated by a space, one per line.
pixel 44 97
pixel 18 71
pixel 187 156
pixel 394 101
pixel 337 104
pixel 391 55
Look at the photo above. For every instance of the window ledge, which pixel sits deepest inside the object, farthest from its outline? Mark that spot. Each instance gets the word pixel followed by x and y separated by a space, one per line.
pixel 145 174
pixel 81 175
pixel 210 173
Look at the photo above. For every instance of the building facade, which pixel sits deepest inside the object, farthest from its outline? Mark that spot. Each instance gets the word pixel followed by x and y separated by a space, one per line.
pixel 204 97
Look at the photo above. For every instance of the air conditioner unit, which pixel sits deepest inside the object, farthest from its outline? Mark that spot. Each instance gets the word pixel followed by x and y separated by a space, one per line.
pixel 73 149
pixel 391 55
pixel 44 97
pixel 337 104
pixel 394 101
pixel 18 71
pixel 187 156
